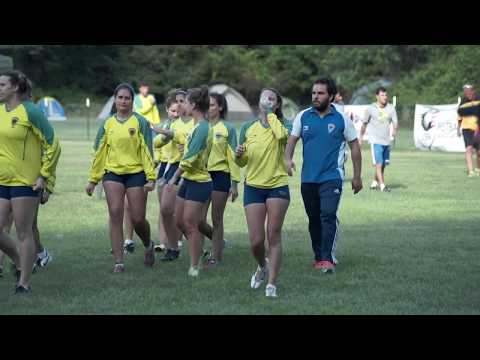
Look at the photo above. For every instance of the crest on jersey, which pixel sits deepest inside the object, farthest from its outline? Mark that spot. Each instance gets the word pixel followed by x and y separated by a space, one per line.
pixel 218 136
pixel 331 127
pixel 15 121
pixel 132 131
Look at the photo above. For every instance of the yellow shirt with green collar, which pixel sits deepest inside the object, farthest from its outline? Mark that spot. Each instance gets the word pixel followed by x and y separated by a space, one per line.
pixel 197 150
pixel 222 155
pixel 160 151
pixel 146 106
pixel 180 130
pixel 29 147
pixel 264 153
pixel 123 148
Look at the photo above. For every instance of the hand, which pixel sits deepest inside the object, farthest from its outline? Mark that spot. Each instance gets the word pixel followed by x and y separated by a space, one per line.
pixel 357 185
pixel 181 147
pixel 291 166
pixel 149 186
pixel 44 198
pixel 240 150
pixel 40 184
pixel 233 193
pixel 90 188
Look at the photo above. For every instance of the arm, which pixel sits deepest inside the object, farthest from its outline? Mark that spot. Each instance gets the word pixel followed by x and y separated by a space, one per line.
pixel 147 153
pixel 99 159
pixel 363 129
pixel 232 165
pixel 241 157
pixel 357 166
pixel 197 144
pixel 395 123
pixel 280 132
pixel 296 133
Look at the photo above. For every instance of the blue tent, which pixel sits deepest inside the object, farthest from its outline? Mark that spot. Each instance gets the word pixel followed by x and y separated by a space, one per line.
pixel 52 109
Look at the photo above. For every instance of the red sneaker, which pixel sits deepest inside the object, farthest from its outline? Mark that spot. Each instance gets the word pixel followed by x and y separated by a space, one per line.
pixel 324 266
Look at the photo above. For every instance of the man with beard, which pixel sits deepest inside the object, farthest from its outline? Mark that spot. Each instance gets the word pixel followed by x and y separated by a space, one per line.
pixel 324 132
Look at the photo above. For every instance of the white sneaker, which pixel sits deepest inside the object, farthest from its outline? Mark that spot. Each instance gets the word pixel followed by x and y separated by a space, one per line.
pixel 271 291
pixel 180 244
pixel 128 246
pixel 374 185
pixel 44 259
pixel 259 277
pixel 194 271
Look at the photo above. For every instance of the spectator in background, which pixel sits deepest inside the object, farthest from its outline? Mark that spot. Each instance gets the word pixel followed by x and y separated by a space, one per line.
pixel 378 117
pixel 338 101
pixel 468 125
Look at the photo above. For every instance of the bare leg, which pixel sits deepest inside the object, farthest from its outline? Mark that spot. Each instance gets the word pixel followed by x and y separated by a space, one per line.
pixel 468 158
pixel 168 212
pixel 115 194
pixel 137 199
pixel 162 235
pixel 24 209
pixel 276 210
pixel 7 245
pixel 219 201
pixel 127 219
pixel 256 214
pixel 192 216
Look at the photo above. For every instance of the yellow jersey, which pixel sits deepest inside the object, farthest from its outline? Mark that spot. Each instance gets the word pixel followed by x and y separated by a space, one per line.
pixel 123 148
pixel 29 147
pixel 468 115
pixel 197 151
pixel 160 152
pixel 222 155
pixel 181 130
pixel 264 153
pixel 146 106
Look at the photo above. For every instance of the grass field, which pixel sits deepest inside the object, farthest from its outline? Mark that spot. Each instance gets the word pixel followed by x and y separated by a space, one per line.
pixel 412 251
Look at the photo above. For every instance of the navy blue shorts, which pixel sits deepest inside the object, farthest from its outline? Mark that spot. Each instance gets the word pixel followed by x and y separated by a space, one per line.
pixel 221 181
pixel 253 195
pixel 11 192
pixel 170 172
pixel 195 191
pixel 128 180
pixel 161 170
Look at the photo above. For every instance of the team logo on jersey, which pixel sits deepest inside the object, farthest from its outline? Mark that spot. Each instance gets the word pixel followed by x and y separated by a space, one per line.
pixel 218 136
pixel 331 127
pixel 132 131
pixel 305 128
pixel 15 121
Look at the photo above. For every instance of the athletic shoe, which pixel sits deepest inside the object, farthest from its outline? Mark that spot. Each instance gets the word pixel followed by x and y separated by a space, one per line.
pixel 374 185
pixel 119 268
pixel 194 271
pixel 206 254
pixel 17 274
pixel 149 258
pixel 477 171
pixel 271 291
pixel 386 189
pixel 324 266
pixel 44 260
pixel 171 255
pixel 180 244
pixel 471 174
pixel 160 248
pixel 259 277
pixel 20 290
pixel 129 246
pixel 211 263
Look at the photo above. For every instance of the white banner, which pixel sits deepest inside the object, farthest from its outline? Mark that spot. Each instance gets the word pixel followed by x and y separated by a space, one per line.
pixel 435 128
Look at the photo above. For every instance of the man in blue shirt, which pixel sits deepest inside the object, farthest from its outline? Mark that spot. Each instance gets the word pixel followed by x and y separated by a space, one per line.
pixel 324 132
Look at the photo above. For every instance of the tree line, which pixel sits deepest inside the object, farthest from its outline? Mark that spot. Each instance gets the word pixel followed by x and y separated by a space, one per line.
pixel 420 73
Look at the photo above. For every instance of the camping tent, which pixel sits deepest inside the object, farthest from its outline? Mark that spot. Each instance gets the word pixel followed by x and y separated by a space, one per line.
pixel 289 109
pixel 106 110
pixel 52 109
pixel 238 107
pixel 6 63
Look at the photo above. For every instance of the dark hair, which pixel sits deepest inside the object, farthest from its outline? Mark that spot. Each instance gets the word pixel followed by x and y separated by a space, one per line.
pixel 27 96
pixel 330 84
pixel 222 102
pixel 115 93
pixel 171 99
pixel 200 97
pixel 380 89
pixel 278 112
pixel 17 78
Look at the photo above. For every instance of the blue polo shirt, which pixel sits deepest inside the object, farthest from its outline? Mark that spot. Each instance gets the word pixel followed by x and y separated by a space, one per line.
pixel 324 144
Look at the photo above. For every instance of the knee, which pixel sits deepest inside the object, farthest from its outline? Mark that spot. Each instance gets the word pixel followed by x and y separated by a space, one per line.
pixel 274 234
pixel 257 242
pixel 137 221
pixel 189 226
pixel 166 211
pixel 23 233
pixel 116 216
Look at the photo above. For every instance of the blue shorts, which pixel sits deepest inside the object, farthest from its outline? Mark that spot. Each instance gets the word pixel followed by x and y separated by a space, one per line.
pixel 380 154
pixel 253 195
pixel 161 170
pixel 170 172
pixel 195 191
pixel 221 181
pixel 11 192
pixel 128 180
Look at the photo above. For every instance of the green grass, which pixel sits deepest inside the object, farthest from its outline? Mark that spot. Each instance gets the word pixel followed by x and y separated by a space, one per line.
pixel 413 251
